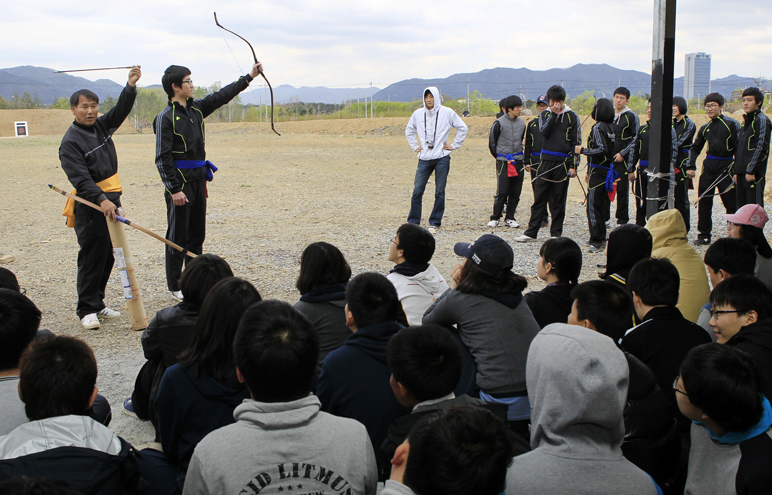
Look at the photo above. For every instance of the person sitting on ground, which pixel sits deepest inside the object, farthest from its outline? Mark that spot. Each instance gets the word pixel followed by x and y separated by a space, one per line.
pixel 577 383
pixel 560 263
pixel 57 381
pixel 198 395
pixel 8 280
pixel 742 318
pixel 463 450
pixel 417 281
pixel 354 382
pixel 668 232
pixel 720 390
pixel 281 440
pixel 425 364
pixel 324 273
pixel 171 331
pixel 486 305
pixel 627 245
pixel 724 258
pixel 748 223
pixel 25 485
pixel 651 437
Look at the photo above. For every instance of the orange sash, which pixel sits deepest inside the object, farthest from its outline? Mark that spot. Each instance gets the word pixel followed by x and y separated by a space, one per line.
pixel 110 184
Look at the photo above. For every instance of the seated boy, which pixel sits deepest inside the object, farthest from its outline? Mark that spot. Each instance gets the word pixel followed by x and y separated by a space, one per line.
pixel 57 383
pixel 720 390
pixel 464 450
pixel 281 441
pixel 425 364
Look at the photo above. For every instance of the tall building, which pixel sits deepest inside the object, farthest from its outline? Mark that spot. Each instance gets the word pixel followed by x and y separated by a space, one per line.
pixel 697 75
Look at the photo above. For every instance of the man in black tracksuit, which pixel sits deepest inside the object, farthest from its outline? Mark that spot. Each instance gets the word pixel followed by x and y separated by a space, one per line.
pixel 533 144
pixel 685 130
pixel 181 161
pixel 505 143
pixel 88 157
pixel 752 150
pixel 717 170
pixel 561 130
pixel 627 128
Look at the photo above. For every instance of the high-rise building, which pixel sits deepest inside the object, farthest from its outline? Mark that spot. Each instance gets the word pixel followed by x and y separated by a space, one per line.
pixel 697 75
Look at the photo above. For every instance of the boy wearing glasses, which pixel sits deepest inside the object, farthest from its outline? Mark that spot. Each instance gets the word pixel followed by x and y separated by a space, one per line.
pixel 181 161
pixel 720 134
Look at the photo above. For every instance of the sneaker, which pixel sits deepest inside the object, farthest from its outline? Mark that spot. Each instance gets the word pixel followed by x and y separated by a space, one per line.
pixel 594 248
pixel 128 409
pixel 609 224
pixel 493 223
pixel 177 294
pixel 108 313
pixel 512 223
pixel 433 229
pixel 90 322
pixel 702 241
pixel 524 238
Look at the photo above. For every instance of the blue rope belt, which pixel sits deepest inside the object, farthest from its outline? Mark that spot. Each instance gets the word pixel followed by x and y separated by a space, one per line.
pixel 535 153
pixel 684 150
pixel 644 163
pixel 725 158
pixel 611 175
pixel 210 168
pixel 510 157
pixel 555 153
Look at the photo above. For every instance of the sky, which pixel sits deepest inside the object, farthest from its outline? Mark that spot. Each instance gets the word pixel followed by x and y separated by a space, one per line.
pixel 353 43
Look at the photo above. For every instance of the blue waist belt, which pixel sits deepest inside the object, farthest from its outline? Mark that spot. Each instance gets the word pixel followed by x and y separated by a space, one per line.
pixel 510 157
pixel 725 158
pixel 555 153
pixel 684 150
pixel 535 153
pixel 210 168
pixel 611 175
pixel 644 163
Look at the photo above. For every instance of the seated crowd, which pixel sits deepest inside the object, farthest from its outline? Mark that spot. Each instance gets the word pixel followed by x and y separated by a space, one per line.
pixel 642 382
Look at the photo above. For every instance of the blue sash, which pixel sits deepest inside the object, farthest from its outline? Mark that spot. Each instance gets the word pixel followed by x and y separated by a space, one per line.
pixel 210 168
pixel 684 150
pixel 644 163
pixel 535 153
pixel 555 153
pixel 725 158
pixel 611 175
pixel 508 157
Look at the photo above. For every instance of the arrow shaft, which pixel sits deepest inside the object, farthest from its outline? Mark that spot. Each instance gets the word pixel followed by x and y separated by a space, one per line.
pixel 89 70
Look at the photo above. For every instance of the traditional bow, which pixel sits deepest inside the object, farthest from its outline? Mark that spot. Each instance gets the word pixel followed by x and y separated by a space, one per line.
pixel 261 72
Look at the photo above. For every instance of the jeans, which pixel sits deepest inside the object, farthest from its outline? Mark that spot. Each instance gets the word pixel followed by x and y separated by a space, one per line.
pixel 440 167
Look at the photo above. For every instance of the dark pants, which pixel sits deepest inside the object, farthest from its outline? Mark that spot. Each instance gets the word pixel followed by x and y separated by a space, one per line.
pixel 682 198
pixel 95 258
pixel 640 188
pixel 163 476
pixel 705 206
pixel 146 390
pixel 623 199
pixel 187 228
pixel 440 167
pixel 533 187
pixel 597 201
pixel 749 193
pixel 508 190
pixel 549 193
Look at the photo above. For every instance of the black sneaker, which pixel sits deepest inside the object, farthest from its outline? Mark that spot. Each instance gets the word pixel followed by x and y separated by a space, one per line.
pixel 702 241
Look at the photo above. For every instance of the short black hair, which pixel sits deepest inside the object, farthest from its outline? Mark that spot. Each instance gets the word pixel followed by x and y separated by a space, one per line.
pixel 474 280
pixel 8 280
pixel 85 93
pixel 714 97
pixel 428 92
pixel 603 111
pixel 426 360
pixel 565 256
pixel 19 322
pixel 556 93
pixel 512 101
pixel 372 299
pixel 321 264
pixel 680 102
pixel 200 275
pixel 57 377
pixel 276 349
pixel 734 256
pixel 756 93
pixel 417 243
pixel 503 102
pixel 464 449
pixel 726 384
pixel 607 305
pixel 755 235
pixel 655 281
pixel 743 293
pixel 174 74
pixel 621 90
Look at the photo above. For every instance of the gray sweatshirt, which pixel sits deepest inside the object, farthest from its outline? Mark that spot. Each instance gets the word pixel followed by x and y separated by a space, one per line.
pixel 577 384
pixel 284 448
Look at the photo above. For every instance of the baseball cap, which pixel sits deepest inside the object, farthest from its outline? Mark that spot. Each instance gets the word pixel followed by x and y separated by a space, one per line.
pixel 753 215
pixel 542 99
pixel 491 253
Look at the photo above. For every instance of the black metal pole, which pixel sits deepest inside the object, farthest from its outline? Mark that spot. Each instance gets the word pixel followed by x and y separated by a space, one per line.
pixel 661 99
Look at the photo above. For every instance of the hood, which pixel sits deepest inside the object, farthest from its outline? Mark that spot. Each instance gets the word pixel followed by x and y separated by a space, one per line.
pixel 758 334
pixel 231 393
pixel 429 280
pixel 372 339
pixel 60 431
pixel 437 98
pixel 577 384
pixel 278 415
pixel 667 228
pixel 627 245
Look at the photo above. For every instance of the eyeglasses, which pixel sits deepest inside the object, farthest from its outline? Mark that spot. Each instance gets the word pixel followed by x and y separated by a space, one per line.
pixel 395 243
pixel 712 105
pixel 189 81
pixel 715 313
pixel 675 386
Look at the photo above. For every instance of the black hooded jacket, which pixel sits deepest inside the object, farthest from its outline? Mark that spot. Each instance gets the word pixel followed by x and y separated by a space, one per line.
pixel 756 340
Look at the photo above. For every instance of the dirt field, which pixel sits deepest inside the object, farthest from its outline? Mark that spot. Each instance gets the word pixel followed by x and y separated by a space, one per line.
pixel 347 182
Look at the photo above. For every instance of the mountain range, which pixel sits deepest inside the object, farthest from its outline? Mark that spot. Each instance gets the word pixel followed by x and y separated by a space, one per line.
pixel 491 83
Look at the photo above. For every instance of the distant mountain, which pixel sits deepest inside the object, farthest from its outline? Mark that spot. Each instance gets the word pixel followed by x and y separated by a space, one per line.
pixel 46 84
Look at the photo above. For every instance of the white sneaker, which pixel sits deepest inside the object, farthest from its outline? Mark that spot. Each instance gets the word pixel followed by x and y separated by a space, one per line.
pixel 108 313
pixel 90 322
pixel 493 223
pixel 524 238
pixel 433 229
pixel 512 223
pixel 177 294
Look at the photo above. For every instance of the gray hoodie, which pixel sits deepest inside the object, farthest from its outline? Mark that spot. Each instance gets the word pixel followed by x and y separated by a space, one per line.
pixel 577 384
pixel 283 448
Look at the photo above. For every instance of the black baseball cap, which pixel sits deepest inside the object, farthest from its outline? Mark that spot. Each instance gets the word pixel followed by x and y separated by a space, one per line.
pixel 491 253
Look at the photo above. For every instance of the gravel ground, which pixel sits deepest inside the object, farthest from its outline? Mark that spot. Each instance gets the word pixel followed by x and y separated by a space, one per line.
pixel 344 182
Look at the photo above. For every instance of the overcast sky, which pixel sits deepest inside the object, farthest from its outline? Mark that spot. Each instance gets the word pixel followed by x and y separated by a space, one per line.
pixel 350 43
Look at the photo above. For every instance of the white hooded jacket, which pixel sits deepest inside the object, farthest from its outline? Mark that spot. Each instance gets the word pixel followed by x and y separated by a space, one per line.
pixel 436 124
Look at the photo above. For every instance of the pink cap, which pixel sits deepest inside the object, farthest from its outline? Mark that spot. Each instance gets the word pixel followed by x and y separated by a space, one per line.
pixel 753 215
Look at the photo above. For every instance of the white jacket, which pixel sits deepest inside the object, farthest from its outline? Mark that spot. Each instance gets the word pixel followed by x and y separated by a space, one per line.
pixel 418 292
pixel 436 124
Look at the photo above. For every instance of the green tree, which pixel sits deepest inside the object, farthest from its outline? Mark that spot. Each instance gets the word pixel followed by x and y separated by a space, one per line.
pixel 480 106
pixel 583 103
pixel 26 101
pixel 15 100
pixel 148 104
pixel 107 105
pixel 4 104
pixel 37 102
pixel 60 103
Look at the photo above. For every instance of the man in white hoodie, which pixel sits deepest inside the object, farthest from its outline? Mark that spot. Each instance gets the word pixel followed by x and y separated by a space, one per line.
pixel 427 133
pixel 417 281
